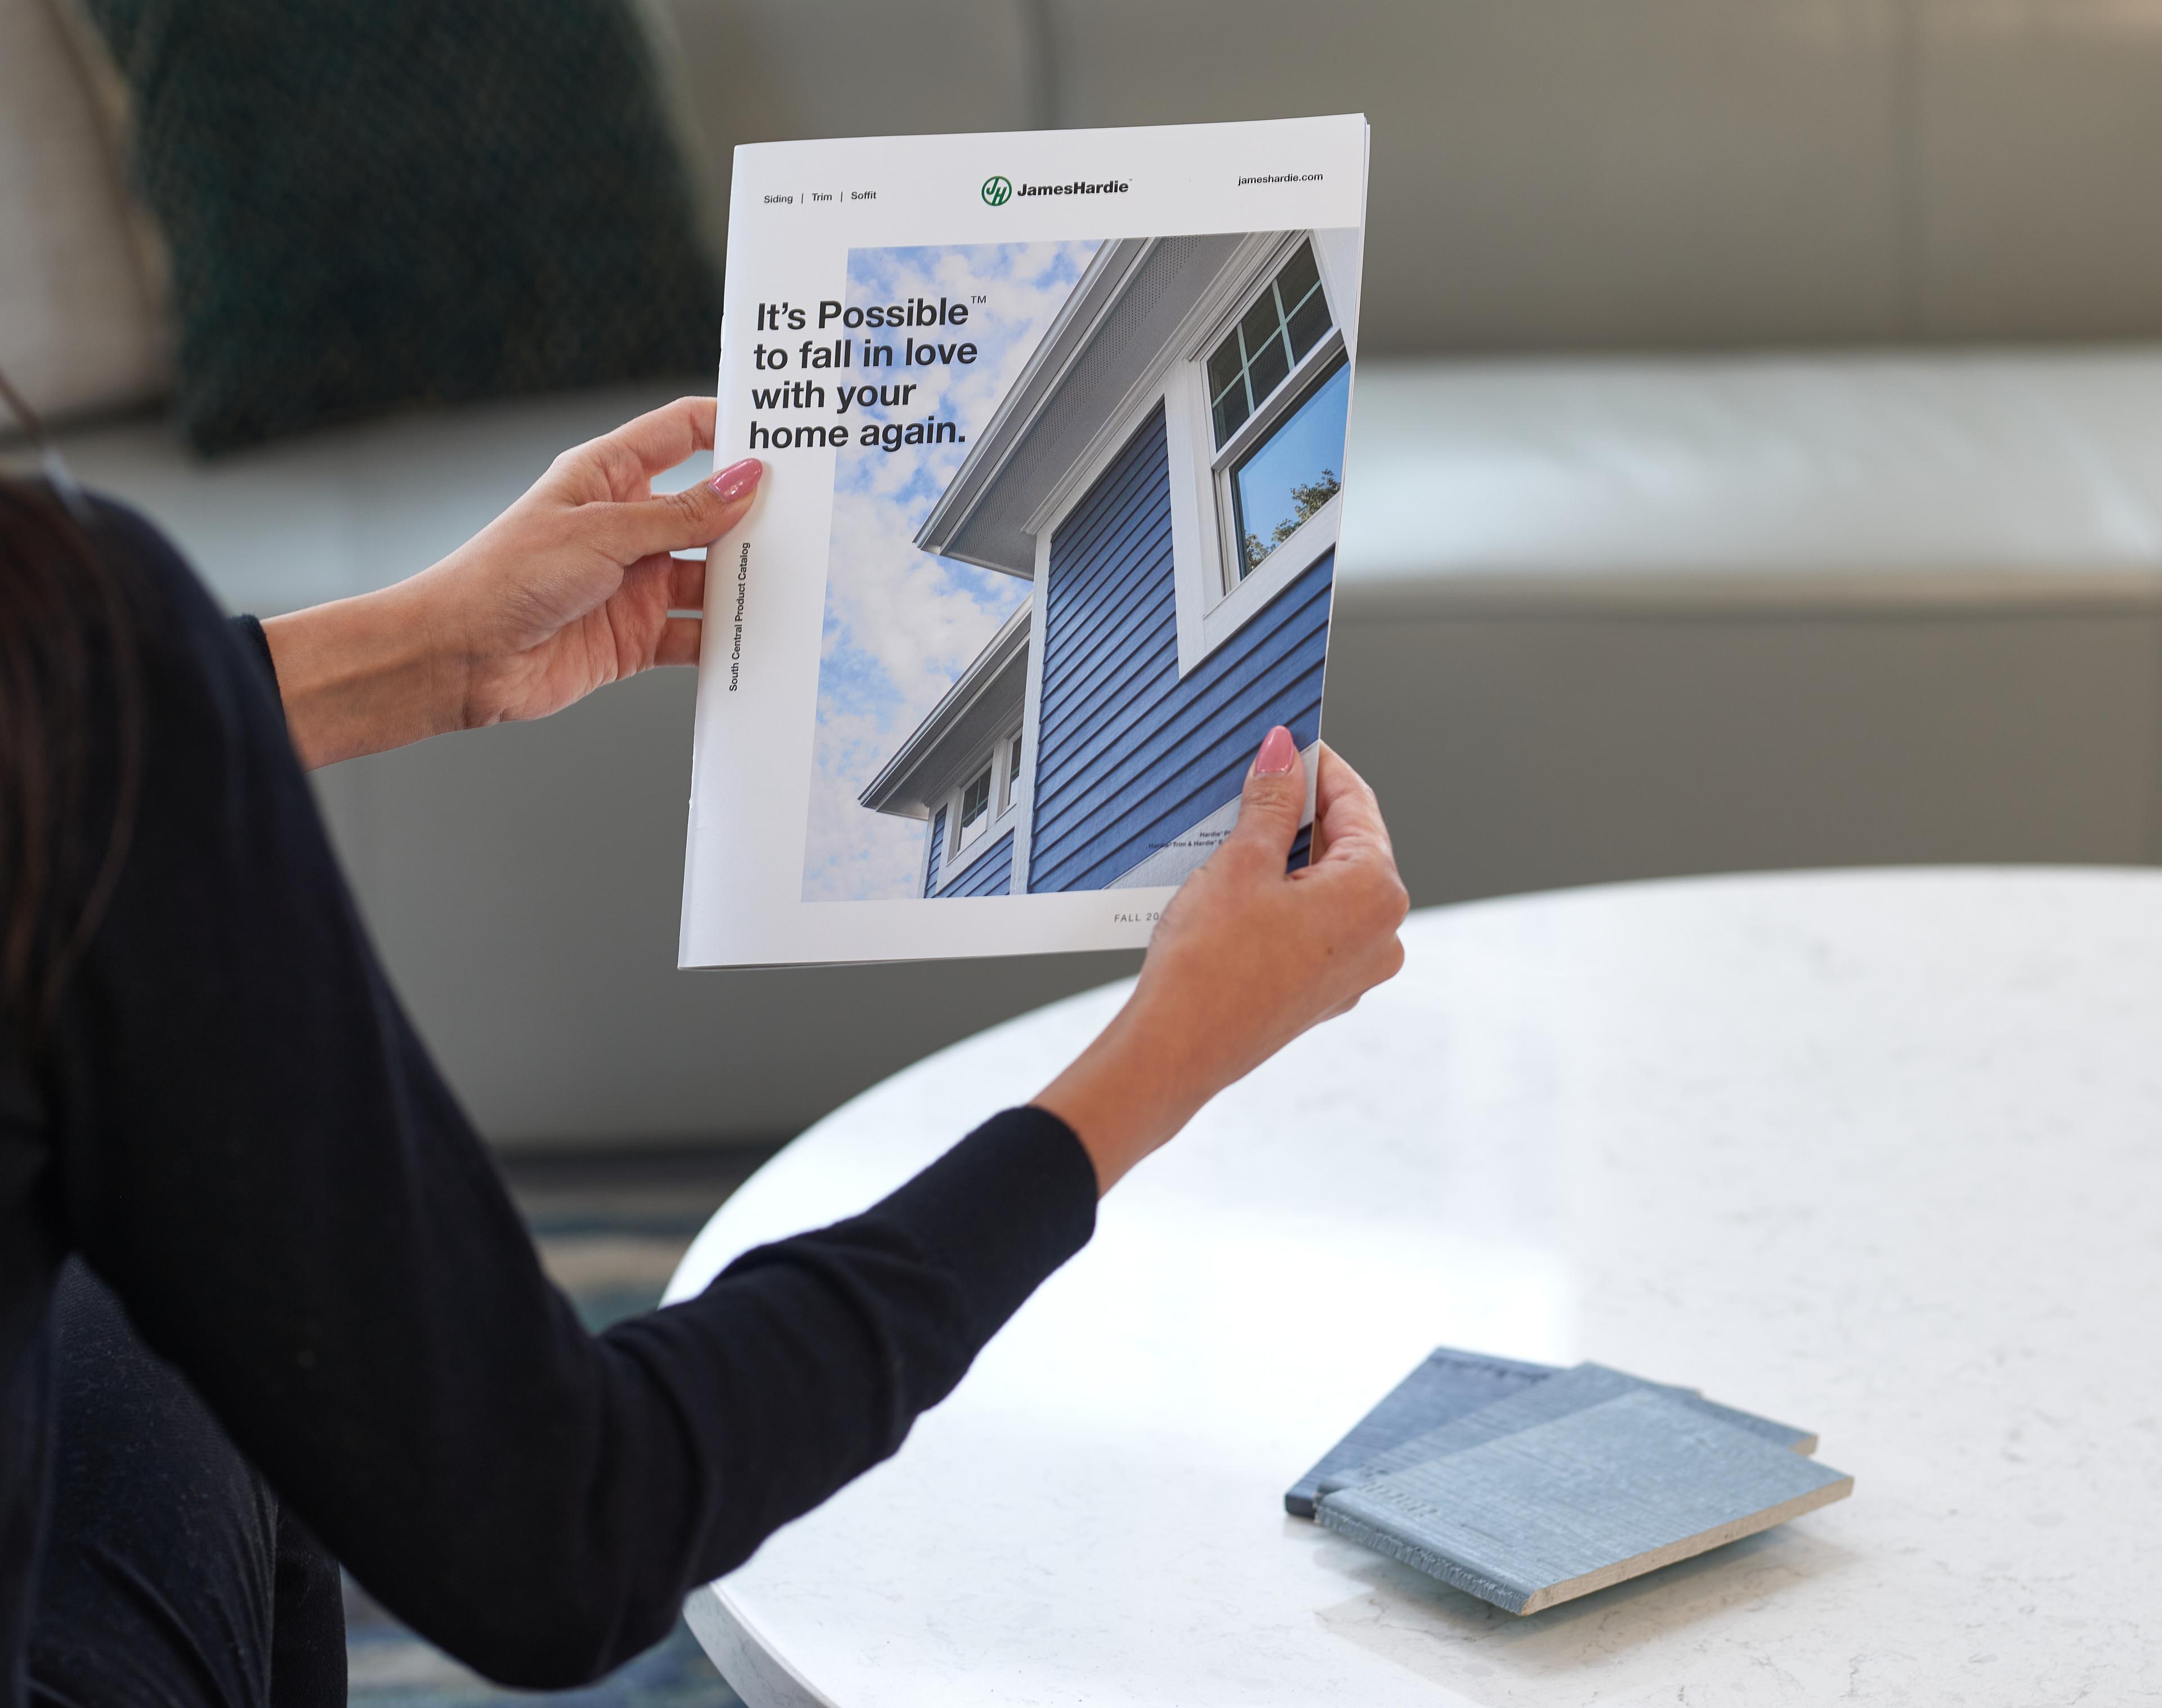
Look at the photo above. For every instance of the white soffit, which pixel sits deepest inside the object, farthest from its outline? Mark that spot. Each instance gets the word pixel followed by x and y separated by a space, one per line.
pixel 1080 377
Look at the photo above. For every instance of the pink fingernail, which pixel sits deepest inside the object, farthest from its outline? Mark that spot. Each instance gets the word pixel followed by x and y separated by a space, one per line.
pixel 737 480
pixel 1279 753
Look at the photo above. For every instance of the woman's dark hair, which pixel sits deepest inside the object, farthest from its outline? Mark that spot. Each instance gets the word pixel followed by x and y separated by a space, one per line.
pixel 70 740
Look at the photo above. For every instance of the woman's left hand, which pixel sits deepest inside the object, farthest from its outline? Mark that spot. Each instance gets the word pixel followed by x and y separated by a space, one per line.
pixel 570 588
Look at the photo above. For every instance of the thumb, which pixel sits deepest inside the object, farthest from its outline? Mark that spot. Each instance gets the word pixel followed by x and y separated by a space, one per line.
pixel 1273 801
pixel 675 521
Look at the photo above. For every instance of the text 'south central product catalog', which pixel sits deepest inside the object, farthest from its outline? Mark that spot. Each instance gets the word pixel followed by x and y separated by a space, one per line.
pixel 1053 426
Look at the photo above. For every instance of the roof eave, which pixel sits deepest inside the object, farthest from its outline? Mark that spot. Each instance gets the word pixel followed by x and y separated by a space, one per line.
pixel 891 790
pixel 1093 295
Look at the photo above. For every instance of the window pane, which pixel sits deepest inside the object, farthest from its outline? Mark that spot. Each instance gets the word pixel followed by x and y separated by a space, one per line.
pixel 1269 367
pixel 1013 762
pixel 975 800
pixel 1299 277
pixel 1224 367
pixel 1308 321
pixel 1293 472
pixel 1258 331
pixel 1230 411
pixel 1279 327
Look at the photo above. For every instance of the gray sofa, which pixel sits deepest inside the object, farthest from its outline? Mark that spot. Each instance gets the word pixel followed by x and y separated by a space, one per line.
pixel 1691 528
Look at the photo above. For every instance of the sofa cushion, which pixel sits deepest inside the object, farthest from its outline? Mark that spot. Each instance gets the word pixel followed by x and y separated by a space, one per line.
pixel 1857 480
pixel 354 508
pixel 79 331
pixel 374 205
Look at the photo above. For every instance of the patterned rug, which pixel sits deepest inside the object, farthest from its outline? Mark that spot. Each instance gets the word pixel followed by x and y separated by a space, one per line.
pixel 611 1229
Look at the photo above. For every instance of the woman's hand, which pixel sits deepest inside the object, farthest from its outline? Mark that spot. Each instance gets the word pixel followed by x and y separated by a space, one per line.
pixel 1245 958
pixel 570 588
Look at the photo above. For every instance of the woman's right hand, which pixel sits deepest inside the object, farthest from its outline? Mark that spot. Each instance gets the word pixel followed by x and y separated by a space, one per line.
pixel 1246 956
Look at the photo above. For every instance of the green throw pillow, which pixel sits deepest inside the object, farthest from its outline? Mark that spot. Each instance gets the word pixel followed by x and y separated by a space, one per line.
pixel 401 202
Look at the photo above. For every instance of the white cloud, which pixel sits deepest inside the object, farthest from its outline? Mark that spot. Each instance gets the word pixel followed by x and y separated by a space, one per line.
pixel 900 624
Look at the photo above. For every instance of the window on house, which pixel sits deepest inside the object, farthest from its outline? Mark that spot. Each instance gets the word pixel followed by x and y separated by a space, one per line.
pixel 1293 472
pixel 975 807
pixel 1258 355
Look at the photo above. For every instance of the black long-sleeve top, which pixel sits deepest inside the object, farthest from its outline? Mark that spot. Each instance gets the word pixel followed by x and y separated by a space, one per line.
pixel 231 1120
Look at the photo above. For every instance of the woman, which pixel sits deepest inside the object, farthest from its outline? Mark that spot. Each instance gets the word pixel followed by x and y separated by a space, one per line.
pixel 259 1284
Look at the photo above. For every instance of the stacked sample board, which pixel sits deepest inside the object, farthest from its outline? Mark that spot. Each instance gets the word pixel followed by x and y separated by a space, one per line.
pixel 1525 1484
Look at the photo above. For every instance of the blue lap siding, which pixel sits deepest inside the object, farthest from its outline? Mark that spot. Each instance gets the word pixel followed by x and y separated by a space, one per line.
pixel 989 874
pixel 1129 754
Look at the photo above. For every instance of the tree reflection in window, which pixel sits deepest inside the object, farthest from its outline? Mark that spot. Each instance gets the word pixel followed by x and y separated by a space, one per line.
pixel 1283 481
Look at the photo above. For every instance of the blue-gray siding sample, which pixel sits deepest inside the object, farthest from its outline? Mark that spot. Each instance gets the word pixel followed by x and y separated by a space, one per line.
pixel 937 847
pixel 1129 754
pixel 989 874
pixel 1589 1497
pixel 1448 1385
pixel 1575 1389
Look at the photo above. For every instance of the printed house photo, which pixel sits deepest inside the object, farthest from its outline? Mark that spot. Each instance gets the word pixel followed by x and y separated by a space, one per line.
pixel 1143 530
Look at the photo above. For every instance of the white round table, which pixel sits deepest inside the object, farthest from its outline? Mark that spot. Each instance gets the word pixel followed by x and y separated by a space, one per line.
pixel 1876 1153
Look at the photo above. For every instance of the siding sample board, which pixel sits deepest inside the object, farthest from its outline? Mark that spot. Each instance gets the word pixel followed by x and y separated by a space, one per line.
pixel 1582 1500
pixel 1573 1390
pixel 1449 1384
pixel 1786 1435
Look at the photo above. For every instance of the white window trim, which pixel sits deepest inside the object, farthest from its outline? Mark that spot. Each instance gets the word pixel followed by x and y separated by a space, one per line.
pixel 1032 703
pixel 1215 602
pixel 1235 610
pixel 1011 773
pixel 1212 605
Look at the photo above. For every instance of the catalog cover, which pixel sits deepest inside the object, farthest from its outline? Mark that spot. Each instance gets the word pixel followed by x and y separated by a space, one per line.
pixel 1054 430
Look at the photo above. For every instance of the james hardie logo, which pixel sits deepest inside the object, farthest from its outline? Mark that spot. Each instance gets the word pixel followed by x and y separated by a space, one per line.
pixel 998 191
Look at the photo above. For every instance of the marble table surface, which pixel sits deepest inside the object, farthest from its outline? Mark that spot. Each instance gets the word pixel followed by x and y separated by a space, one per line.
pixel 1879 1153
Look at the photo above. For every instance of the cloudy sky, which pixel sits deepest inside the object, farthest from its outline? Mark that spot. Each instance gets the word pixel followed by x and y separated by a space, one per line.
pixel 901 625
